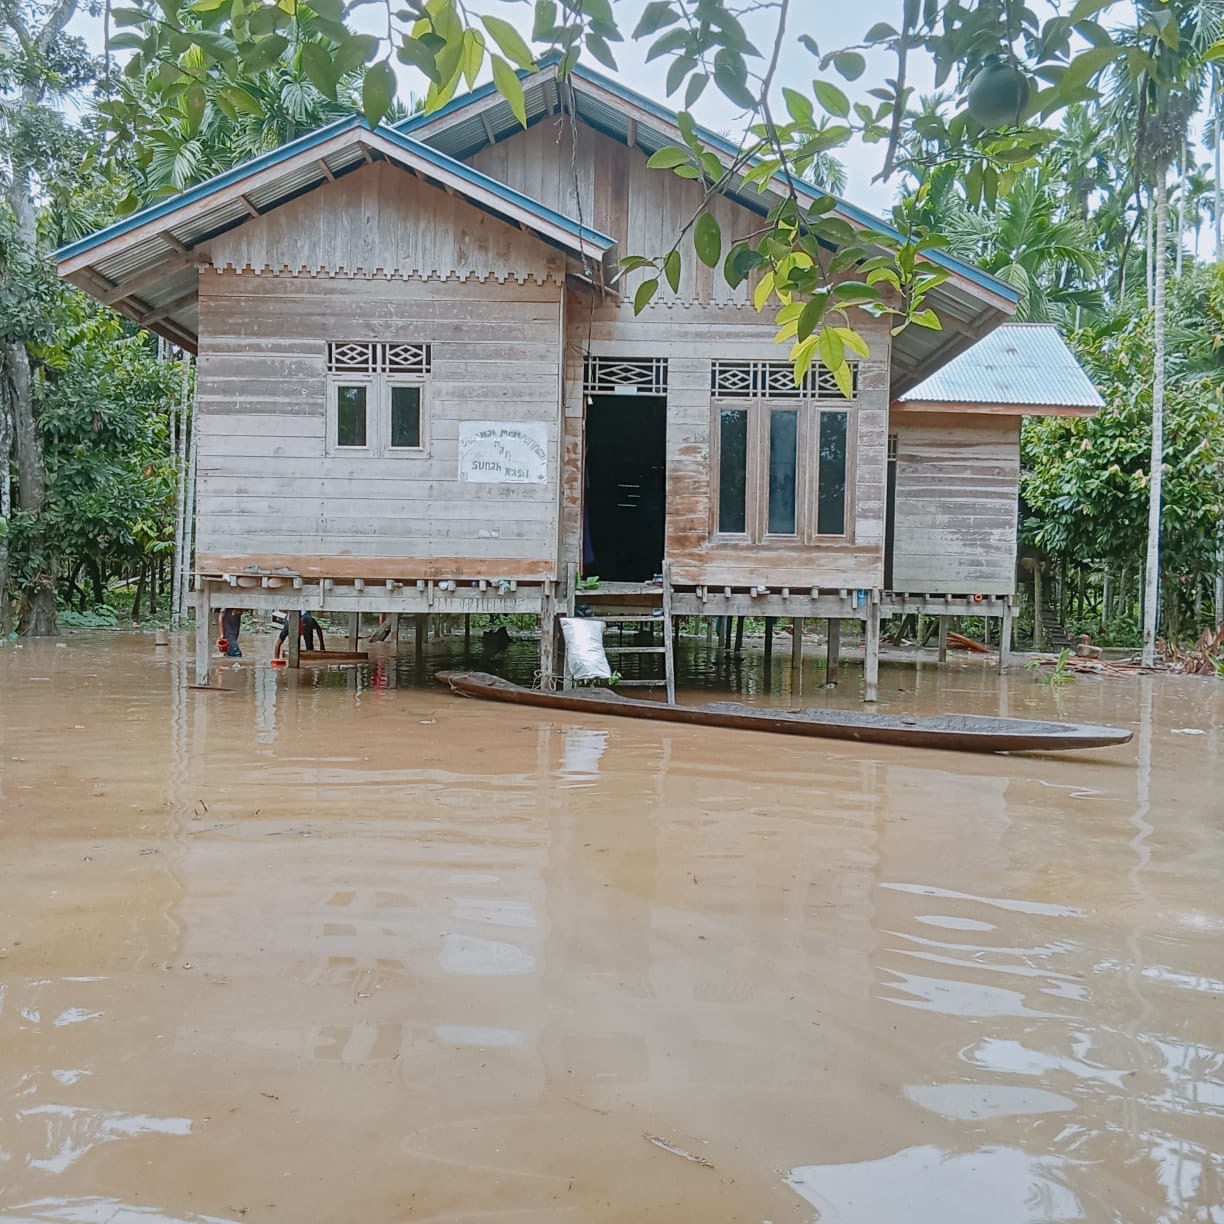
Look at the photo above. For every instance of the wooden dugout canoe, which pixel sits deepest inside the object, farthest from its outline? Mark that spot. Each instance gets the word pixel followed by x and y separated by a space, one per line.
pixel 958 732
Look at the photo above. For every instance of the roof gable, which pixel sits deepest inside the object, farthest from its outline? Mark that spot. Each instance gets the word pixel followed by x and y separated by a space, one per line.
pixel 146 265
pixel 970 304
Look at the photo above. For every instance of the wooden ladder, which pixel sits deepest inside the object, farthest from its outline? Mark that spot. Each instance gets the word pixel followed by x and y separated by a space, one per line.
pixel 667 650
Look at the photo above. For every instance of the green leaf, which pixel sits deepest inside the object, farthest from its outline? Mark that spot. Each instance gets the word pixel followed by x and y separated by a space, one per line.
pixel 510 88
pixel 545 21
pixel 707 239
pixel 927 318
pixel 509 41
pixel 655 16
pixel 832 99
pixel 645 291
pixel 680 67
pixel 472 56
pixel 129 17
pixel 263 52
pixel 377 92
pixel 853 341
pixel 800 108
pixel 194 100
pixel 673 40
pixel 695 88
pixel 669 158
pixel 812 315
pixel 855 293
pixel 217 45
pixel 241 101
pixel 319 69
pixel 832 348
pixel 671 269
pixel 880 32
pixel 414 52
pixel 850 64
pixel 129 41
pixel 599 48
pixel 731 77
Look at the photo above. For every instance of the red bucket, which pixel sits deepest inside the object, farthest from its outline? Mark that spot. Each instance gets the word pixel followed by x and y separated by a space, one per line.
pixel 280 662
pixel 223 645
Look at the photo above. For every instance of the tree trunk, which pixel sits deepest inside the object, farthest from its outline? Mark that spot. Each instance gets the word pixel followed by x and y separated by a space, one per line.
pixel 154 570
pixel 1181 214
pixel 6 510
pixel 1151 599
pixel 193 451
pixel 140 590
pixel 1147 256
pixel 1215 197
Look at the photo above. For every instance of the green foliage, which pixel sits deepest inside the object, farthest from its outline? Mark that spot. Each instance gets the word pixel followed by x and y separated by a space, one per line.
pixel 1084 481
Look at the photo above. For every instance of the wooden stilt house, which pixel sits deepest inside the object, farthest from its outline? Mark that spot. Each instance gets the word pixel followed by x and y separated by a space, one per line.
pixel 422 388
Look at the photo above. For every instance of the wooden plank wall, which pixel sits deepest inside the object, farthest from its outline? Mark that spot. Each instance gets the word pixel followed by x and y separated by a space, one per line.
pixel 610 187
pixel 381 220
pixel 690 338
pixel 957 484
pixel 270 495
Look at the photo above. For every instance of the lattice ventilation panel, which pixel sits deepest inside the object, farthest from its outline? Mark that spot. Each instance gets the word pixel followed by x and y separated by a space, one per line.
pixel 624 376
pixel 377 357
pixel 775 380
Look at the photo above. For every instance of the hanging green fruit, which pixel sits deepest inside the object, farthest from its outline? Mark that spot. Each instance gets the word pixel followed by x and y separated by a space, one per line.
pixel 998 93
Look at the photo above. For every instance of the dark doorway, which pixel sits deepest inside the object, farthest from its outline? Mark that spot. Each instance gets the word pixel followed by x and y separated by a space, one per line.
pixel 626 487
pixel 890 513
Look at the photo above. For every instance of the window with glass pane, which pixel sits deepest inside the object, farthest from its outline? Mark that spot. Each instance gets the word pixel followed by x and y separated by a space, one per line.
pixel 733 471
pixel 351 416
pixel 831 493
pixel 406 416
pixel 783 468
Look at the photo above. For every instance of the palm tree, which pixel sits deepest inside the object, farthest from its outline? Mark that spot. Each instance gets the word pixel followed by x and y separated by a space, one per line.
pixel 1031 243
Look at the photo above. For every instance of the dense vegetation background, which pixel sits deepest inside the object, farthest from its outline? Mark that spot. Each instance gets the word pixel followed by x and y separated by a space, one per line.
pixel 1093 197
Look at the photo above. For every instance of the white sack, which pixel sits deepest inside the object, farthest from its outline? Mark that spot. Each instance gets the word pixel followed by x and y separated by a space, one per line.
pixel 584 650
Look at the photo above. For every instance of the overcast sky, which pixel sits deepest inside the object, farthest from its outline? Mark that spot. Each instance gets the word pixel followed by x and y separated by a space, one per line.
pixel 833 23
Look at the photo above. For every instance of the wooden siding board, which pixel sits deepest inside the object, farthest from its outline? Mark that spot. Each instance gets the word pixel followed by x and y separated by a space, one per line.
pixel 957 490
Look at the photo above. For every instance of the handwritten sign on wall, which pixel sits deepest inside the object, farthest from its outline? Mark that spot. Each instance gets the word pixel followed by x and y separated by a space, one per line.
pixel 503 452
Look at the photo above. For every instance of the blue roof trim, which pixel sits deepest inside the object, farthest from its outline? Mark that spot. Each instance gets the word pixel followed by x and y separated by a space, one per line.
pixel 983 279
pixel 202 191
pixel 303 144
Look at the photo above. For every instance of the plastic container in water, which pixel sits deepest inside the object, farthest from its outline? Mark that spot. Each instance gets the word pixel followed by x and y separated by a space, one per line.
pixel 280 662
pixel 223 645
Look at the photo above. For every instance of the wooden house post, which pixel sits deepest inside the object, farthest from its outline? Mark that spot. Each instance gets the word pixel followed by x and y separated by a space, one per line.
pixel 943 639
pixel 1005 635
pixel 833 656
pixel 293 643
pixel 871 658
pixel 797 655
pixel 203 635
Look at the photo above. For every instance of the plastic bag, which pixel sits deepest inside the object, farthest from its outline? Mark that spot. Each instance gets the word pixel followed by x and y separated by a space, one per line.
pixel 584 650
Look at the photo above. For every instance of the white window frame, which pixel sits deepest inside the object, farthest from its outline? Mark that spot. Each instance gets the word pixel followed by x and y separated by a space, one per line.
pixel 378 414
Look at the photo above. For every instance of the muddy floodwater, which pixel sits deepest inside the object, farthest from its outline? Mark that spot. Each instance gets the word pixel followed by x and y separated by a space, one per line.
pixel 338 946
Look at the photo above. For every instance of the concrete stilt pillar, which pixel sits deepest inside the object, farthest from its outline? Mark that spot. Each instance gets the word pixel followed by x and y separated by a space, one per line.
pixel 769 632
pixel 293 643
pixel 421 624
pixel 797 655
pixel 354 630
pixel 394 621
pixel 203 636
pixel 467 632
pixel 739 635
pixel 833 657
pixel 943 639
pixel 1005 635
pixel 871 657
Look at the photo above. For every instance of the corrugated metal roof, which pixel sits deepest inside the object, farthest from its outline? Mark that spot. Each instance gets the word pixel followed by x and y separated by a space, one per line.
pixel 1026 364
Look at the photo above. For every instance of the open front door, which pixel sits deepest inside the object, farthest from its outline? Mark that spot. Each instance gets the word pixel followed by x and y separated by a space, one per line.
pixel 626 487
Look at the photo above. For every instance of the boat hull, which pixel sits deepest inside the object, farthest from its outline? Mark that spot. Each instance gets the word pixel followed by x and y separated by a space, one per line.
pixel 957 732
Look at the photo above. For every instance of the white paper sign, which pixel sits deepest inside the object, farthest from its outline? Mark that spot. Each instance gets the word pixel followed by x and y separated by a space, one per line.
pixel 503 452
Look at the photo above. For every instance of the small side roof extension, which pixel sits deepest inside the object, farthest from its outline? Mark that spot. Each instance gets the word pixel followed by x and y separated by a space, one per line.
pixel 147 265
pixel 1022 369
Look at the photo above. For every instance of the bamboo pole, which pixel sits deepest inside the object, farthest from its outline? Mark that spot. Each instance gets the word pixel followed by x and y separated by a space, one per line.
pixel 178 450
pixel 1151 599
pixel 189 509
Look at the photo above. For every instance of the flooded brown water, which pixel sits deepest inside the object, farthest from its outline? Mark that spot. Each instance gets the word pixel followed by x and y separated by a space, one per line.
pixel 335 947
